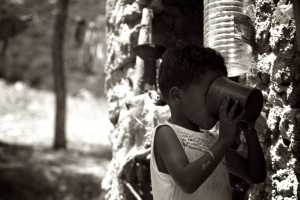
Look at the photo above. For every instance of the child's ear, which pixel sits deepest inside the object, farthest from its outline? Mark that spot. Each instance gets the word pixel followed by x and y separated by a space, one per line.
pixel 175 94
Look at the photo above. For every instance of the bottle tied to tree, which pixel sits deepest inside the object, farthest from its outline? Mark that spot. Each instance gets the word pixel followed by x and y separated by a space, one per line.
pixel 229 30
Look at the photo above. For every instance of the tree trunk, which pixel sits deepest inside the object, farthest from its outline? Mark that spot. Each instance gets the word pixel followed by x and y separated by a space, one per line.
pixel 58 72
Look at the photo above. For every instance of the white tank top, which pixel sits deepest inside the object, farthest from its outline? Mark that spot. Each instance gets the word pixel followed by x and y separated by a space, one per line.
pixel 195 145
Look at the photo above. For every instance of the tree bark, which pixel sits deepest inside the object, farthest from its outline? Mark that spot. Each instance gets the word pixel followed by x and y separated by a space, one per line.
pixel 58 73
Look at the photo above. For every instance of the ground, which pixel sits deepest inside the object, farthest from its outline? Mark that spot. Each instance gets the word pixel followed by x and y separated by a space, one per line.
pixel 29 167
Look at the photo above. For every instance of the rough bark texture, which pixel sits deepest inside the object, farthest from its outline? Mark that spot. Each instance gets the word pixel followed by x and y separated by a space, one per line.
pixel 275 70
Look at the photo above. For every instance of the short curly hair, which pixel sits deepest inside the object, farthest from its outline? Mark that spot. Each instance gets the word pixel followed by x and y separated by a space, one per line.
pixel 183 65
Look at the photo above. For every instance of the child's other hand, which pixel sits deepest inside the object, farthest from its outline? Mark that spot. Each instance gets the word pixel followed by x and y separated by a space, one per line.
pixel 228 123
pixel 246 126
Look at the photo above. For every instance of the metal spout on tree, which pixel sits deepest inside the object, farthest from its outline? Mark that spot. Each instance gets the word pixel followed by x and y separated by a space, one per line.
pixel 147 55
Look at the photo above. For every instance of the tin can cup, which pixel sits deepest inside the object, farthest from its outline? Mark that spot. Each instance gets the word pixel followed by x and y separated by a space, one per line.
pixel 250 99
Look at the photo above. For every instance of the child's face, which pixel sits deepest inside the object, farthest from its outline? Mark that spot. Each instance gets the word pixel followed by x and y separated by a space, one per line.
pixel 194 100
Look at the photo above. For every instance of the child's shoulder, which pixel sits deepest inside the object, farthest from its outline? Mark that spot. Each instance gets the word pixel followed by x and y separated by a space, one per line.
pixel 165 132
pixel 164 129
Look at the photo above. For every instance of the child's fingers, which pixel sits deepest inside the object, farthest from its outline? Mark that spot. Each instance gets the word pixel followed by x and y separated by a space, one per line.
pixel 224 108
pixel 232 110
pixel 238 118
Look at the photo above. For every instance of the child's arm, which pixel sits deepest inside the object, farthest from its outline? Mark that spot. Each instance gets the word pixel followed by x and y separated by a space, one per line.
pixel 253 168
pixel 189 176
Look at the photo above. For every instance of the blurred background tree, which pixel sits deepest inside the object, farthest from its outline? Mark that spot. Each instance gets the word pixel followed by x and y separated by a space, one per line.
pixel 27 55
pixel 59 73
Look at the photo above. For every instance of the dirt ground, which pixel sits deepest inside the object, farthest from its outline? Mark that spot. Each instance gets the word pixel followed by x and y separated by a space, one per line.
pixel 36 173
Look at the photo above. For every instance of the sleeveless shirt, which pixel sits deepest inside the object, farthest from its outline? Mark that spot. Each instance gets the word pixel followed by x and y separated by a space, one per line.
pixel 195 145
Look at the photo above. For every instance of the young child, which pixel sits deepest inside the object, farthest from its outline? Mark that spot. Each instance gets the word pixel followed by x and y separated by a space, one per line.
pixel 188 161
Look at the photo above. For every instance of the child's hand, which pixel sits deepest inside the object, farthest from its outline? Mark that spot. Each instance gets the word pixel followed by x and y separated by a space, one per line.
pixel 228 124
pixel 246 126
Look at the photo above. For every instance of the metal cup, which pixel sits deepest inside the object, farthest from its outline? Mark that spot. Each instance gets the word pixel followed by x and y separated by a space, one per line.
pixel 250 99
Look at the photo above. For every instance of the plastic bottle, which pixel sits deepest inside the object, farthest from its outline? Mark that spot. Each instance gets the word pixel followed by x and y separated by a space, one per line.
pixel 228 29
